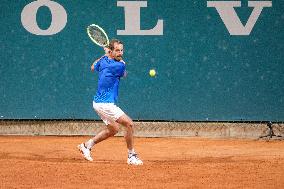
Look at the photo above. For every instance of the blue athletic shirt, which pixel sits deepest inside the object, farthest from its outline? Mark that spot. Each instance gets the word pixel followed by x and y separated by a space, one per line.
pixel 110 72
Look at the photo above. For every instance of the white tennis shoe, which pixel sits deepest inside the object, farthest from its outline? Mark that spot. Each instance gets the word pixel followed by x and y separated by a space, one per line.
pixel 133 159
pixel 85 152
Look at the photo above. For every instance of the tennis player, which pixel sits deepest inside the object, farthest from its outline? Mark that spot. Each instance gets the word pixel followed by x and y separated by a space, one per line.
pixel 111 68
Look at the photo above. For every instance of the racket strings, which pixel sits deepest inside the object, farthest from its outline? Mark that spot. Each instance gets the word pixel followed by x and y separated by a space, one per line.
pixel 98 35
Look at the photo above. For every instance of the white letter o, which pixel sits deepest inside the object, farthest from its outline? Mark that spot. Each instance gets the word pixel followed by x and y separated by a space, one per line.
pixel 59 17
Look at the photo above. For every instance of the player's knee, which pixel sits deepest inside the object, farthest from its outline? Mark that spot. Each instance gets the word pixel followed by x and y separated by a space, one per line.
pixel 112 133
pixel 113 130
pixel 130 124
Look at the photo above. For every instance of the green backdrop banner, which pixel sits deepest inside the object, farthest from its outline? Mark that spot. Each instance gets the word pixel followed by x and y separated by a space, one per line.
pixel 215 60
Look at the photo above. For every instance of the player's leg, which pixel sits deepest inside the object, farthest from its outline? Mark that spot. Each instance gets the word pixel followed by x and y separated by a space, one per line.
pixel 105 112
pixel 109 131
pixel 127 122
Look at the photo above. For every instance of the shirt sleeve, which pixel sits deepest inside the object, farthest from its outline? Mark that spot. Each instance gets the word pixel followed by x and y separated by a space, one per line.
pixel 97 66
pixel 98 62
pixel 123 72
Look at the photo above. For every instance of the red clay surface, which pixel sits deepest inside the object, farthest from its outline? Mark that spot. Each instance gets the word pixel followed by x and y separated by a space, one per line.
pixel 54 162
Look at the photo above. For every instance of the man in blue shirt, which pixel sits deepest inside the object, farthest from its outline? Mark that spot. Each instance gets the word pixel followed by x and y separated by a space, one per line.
pixel 111 68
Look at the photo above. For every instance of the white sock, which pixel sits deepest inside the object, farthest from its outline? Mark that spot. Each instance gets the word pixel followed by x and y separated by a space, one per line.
pixel 131 151
pixel 89 144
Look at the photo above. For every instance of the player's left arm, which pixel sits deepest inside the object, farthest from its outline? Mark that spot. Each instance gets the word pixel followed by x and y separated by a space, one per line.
pixel 107 51
pixel 94 65
pixel 125 72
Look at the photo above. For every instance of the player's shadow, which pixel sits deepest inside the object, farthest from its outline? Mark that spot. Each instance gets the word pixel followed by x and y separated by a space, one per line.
pixel 270 132
pixel 43 158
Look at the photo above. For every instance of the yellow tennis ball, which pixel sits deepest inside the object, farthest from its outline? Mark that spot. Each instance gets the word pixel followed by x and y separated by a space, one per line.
pixel 152 72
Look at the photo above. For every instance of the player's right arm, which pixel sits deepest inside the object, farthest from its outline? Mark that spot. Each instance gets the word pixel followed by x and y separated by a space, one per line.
pixel 107 51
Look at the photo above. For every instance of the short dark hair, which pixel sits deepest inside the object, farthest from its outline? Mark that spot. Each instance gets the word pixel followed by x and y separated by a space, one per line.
pixel 112 42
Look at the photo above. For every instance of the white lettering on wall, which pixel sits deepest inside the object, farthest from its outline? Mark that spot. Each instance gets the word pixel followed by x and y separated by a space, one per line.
pixel 231 19
pixel 59 17
pixel 132 19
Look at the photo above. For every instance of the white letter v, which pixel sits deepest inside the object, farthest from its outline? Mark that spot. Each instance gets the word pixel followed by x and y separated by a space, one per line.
pixel 231 19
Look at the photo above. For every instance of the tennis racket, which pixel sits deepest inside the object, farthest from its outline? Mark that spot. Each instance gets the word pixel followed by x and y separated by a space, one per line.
pixel 97 35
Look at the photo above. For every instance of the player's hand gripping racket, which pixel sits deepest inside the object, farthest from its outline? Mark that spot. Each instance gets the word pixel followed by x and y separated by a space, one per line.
pixel 98 35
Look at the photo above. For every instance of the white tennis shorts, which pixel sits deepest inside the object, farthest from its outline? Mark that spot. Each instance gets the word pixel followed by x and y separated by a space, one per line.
pixel 108 112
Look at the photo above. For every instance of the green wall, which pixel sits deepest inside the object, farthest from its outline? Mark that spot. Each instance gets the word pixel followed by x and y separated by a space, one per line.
pixel 203 72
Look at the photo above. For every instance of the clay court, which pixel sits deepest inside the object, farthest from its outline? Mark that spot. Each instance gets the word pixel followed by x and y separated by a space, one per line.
pixel 54 162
